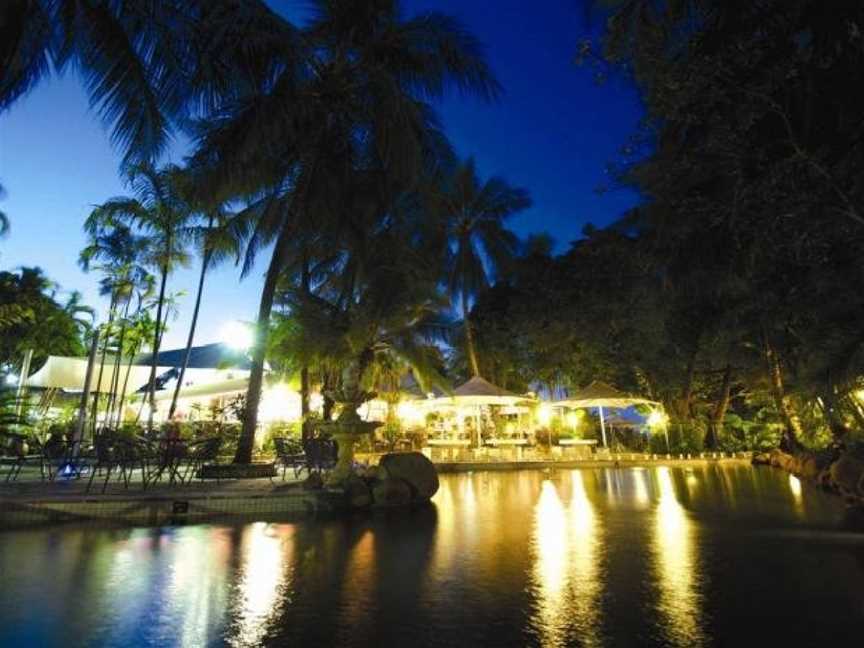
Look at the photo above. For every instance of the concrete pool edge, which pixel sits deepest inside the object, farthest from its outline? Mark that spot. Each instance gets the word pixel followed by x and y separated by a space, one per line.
pixel 181 506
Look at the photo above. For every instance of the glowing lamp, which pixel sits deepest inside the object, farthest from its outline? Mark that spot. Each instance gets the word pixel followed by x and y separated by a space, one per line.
pixel 544 414
pixel 657 419
pixel 238 335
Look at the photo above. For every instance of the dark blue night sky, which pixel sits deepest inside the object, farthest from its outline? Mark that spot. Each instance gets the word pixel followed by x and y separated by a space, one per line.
pixel 553 132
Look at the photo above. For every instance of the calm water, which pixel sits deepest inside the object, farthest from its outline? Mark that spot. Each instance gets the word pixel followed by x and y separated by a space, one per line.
pixel 732 556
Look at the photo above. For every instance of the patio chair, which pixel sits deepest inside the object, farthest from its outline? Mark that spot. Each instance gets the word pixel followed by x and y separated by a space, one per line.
pixel 289 454
pixel 56 456
pixel 14 454
pixel 201 453
pixel 114 454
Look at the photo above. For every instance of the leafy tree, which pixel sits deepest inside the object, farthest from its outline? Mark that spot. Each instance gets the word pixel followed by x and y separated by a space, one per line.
pixel 32 318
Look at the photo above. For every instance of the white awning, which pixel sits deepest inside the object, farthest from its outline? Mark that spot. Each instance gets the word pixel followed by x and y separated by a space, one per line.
pixel 63 372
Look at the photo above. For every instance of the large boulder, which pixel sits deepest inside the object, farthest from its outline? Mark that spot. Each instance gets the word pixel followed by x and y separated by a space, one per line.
pixel 415 469
pixel 847 473
pixel 809 468
pixel 357 493
pixel 313 482
pixel 391 492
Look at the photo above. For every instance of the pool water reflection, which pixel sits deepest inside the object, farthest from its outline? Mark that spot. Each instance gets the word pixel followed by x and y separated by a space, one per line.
pixel 661 556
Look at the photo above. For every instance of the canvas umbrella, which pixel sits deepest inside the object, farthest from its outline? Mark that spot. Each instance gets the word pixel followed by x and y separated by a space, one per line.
pixel 477 392
pixel 599 394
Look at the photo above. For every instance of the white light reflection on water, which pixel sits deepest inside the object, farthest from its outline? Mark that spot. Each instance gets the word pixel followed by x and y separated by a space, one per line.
pixel 262 580
pixel 566 578
pixel 676 562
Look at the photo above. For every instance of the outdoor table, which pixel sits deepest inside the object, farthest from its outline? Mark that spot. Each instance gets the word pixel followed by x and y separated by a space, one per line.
pixel 506 442
pixel 168 453
pixel 449 443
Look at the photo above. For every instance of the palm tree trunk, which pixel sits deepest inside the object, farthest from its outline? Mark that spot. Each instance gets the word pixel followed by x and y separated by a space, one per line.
pixel 305 433
pixel 157 339
pixel 469 338
pixel 115 372
pixel 259 349
pixel 204 263
pixel 96 392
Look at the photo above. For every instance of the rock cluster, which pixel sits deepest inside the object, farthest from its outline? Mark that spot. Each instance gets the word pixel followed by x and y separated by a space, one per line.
pixel 399 480
pixel 842 473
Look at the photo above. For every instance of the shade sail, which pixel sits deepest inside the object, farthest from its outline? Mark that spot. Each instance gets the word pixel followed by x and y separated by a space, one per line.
pixel 63 372
pixel 203 390
pixel 479 391
pixel 599 394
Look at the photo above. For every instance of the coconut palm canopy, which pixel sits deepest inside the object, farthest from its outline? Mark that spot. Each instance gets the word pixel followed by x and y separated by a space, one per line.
pixel 599 394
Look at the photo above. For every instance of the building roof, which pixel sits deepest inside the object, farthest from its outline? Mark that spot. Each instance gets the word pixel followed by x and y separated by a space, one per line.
pixel 208 356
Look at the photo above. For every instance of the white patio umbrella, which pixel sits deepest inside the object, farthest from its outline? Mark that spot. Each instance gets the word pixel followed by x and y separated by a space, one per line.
pixel 477 392
pixel 599 394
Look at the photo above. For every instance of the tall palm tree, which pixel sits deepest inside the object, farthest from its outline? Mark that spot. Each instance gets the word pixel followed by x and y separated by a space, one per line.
pixel 480 245
pixel 147 65
pixel 159 212
pixel 119 254
pixel 350 101
pixel 217 243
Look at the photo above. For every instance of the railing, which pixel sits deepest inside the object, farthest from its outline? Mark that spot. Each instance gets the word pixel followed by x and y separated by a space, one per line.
pixel 571 453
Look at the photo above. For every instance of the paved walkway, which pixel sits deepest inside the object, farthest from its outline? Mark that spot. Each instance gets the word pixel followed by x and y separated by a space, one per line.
pixel 30 487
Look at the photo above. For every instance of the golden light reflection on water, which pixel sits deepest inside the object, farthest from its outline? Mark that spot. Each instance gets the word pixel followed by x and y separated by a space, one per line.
pixel 566 578
pixel 795 487
pixel 640 487
pixel 261 580
pixel 359 587
pixel 677 567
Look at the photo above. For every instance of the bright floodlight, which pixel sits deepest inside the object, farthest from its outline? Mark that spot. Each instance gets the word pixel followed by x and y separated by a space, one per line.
pixel 237 335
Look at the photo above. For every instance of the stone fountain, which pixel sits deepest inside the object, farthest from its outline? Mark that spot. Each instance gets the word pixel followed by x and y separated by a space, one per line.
pixel 348 428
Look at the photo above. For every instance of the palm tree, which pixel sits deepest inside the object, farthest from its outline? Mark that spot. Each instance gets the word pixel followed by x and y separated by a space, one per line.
pixel 351 101
pixel 480 245
pixel 120 252
pixel 147 65
pixel 217 243
pixel 160 213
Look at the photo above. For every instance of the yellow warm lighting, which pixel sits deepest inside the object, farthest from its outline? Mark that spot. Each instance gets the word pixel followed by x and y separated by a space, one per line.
pixel 795 487
pixel 657 419
pixel 572 419
pixel 279 403
pixel 544 414
pixel 410 414
pixel 510 428
pixel 237 335
pixel 675 538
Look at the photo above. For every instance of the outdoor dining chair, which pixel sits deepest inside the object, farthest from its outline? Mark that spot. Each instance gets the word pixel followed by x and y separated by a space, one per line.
pixel 289 455
pixel 14 453
pixel 200 453
pixel 113 455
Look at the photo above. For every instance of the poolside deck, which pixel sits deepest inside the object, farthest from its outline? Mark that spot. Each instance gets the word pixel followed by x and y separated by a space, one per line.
pixel 30 501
